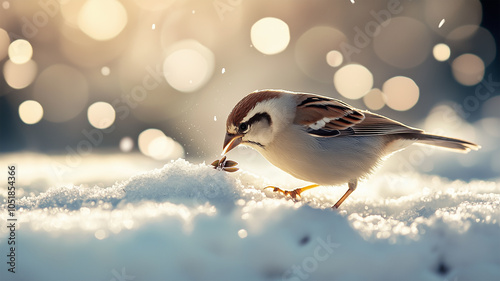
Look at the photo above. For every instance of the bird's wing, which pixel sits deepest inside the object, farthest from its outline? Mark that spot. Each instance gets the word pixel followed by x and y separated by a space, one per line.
pixel 375 124
pixel 327 117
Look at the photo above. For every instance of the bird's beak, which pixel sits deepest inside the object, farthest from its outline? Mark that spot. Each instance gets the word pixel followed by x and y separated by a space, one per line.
pixel 231 141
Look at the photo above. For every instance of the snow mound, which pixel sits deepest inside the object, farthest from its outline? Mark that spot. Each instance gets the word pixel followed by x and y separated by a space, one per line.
pixel 191 222
pixel 177 182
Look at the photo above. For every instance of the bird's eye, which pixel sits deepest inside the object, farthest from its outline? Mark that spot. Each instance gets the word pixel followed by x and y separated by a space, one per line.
pixel 243 127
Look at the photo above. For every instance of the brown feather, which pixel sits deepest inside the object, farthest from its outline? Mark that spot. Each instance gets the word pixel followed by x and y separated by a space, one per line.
pixel 375 124
pixel 312 109
pixel 248 103
pixel 445 142
pixel 345 118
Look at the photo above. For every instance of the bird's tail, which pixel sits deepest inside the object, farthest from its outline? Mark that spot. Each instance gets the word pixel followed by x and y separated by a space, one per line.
pixel 445 142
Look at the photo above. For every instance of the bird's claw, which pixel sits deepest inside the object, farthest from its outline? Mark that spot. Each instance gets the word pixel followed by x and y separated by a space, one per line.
pixel 296 193
pixel 293 193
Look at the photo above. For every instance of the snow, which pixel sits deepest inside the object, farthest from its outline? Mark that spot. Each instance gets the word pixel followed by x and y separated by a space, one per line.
pixel 187 221
pixel 441 23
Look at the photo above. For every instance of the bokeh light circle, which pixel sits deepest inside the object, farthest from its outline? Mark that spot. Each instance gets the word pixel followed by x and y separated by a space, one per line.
pixel 188 66
pixel 490 108
pixel 102 19
pixel 4 43
pixel 70 10
pixel 242 233
pixel 101 234
pixel 484 45
pixel 491 126
pixel 400 93
pixel 462 32
pixel 161 148
pixel 154 5
pixel 30 112
pixel 105 71
pixel 353 81
pixel 145 139
pixel 441 52
pixel 20 51
pixel 468 69
pixel 334 58
pixel 101 115
pixel 270 35
pixel 62 91
pixel 19 76
pixel 403 42
pixel 154 143
pixel 126 144
pixel 374 99
pixel 311 49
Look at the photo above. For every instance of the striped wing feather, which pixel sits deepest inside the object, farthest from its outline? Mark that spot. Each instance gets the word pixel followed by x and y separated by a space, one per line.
pixel 327 117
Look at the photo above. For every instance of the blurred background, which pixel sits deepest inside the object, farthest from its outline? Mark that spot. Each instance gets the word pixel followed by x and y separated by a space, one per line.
pixel 141 82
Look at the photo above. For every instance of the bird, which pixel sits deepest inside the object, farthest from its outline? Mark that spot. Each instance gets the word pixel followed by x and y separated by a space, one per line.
pixel 320 139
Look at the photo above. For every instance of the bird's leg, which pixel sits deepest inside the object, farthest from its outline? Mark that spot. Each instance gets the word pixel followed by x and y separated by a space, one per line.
pixel 352 186
pixel 293 193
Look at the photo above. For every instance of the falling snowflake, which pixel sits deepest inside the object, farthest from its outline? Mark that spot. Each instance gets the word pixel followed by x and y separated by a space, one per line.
pixel 441 23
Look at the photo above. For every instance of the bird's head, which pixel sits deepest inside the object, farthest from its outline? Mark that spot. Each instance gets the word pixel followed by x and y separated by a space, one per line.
pixel 257 118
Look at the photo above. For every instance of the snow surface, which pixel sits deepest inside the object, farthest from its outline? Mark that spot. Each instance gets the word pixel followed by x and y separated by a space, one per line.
pixel 188 221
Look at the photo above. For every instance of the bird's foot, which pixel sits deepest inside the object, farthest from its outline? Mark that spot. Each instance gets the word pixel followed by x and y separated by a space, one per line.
pixel 342 199
pixel 352 186
pixel 293 193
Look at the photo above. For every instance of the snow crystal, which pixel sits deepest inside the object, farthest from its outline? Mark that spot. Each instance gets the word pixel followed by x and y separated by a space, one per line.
pixel 189 221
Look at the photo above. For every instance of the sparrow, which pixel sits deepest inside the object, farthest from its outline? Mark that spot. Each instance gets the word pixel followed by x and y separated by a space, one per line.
pixel 320 139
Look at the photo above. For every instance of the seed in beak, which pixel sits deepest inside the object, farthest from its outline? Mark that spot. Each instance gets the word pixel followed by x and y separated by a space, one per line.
pixel 230 163
pixel 226 165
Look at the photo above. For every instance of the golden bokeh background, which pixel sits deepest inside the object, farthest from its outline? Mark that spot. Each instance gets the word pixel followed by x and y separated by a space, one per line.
pixel 159 77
